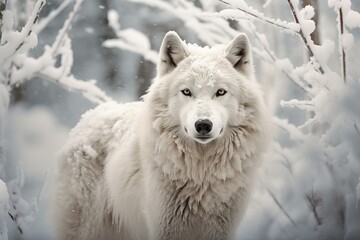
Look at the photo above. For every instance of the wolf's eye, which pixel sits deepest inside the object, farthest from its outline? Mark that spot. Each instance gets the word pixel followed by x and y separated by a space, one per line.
pixel 221 92
pixel 186 92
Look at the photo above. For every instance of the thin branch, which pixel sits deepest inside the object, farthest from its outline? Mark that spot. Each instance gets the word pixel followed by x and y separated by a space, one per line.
pixel 53 14
pixel 262 18
pixel 14 219
pixel 294 132
pixel 274 58
pixel 286 161
pixel 87 88
pixel 39 5
pixel 342 50
pixel 66 27
pixel 302 35
pixel 314 203
pixel 281 207
pixel 356 128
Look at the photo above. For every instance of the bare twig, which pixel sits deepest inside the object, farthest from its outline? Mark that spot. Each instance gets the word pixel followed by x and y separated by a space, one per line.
pixel 315 202
pixel 302 35
pixel 356 128
pixel 14 218
pixel 286 161
pixel 342 50
pixel 272 195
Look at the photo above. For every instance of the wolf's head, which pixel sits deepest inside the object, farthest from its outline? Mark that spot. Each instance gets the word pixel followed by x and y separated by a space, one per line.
pixel 202 94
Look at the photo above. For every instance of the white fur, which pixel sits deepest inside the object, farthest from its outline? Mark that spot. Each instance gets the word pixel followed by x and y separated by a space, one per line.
pixel 139 171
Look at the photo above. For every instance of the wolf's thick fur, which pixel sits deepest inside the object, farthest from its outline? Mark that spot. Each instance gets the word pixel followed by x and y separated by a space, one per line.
pixel 143 171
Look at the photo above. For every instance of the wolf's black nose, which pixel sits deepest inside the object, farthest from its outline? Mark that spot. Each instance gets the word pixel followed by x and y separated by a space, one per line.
pixel 203 126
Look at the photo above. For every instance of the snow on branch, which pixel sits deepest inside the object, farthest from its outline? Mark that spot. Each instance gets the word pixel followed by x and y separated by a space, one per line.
pixel 24 67
pixel 21 41
pixel 209 27
pixel 292 27
pixel 346 17
pixel 294 132
pixel 44 66
pixel 66 27
pixel 284 65
pixel 306 28
pixel 304 105
pixel 87 88
pixel 43 23
pixel 125 39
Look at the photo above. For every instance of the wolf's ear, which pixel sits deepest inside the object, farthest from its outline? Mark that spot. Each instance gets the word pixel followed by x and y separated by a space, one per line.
pixel 238 52
pixel 172 51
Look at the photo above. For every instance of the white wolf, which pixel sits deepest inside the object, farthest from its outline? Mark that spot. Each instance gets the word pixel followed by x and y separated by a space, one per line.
pixel 178 165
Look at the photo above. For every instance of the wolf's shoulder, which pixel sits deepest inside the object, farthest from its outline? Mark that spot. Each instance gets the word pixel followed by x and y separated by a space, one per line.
pixel 99 130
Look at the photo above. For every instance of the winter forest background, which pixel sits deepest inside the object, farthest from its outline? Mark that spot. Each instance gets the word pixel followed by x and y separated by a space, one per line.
pixel 306 58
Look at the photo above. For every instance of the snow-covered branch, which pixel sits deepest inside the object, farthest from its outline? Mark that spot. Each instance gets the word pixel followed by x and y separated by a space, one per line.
pixel 24 67
pixel 306 28
pixel 284 65
pixel 20 40
pixel 125 39
pixel 17 66
pixel 66 27
pixel 346 17
pixel 292 27
pixel 43 23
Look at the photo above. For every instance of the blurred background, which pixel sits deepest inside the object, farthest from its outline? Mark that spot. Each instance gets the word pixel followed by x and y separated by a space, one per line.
pixel 294 182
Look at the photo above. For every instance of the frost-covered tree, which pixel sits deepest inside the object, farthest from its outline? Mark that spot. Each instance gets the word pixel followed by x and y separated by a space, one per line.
pixel 17 65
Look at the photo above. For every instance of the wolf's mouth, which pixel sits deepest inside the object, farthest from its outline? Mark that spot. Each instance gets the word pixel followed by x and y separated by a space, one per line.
pixel 203 138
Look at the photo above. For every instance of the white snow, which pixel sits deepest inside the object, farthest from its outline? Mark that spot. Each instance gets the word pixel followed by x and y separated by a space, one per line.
pixel 347 41
pixel 324 51
pixel 352 19
pixel 4 207
pixel 4 101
